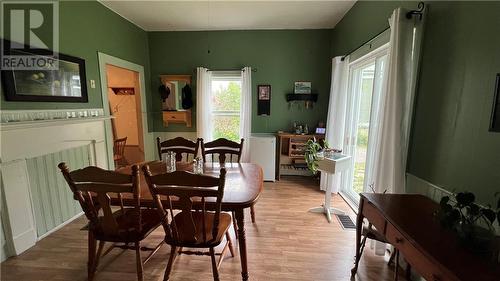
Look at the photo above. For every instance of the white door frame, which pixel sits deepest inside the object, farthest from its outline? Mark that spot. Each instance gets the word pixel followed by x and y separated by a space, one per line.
pixel 363 61
pixel 105 59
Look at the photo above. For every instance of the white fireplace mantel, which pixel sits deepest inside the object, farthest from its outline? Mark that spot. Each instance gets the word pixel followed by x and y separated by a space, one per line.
pixel 26 139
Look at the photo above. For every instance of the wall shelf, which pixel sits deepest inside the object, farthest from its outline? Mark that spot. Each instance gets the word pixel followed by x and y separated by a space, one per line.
pixel 302 97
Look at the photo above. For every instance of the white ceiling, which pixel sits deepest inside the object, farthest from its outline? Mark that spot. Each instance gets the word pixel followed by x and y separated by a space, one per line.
pixel 230 15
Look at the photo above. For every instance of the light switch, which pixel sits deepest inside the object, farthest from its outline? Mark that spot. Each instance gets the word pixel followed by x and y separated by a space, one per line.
pixel 92 84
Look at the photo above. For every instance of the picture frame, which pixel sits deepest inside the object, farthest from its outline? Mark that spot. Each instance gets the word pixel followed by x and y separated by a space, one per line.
pixel 264 100
pixel 495 111
pixel 302 87
pixel 264 92
pixel 67 83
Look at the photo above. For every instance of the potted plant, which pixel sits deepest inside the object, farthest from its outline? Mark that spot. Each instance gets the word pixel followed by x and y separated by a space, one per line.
pixel 473 223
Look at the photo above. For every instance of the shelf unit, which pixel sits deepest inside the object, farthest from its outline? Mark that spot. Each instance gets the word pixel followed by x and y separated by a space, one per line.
pixel 290 154
pixel 302 97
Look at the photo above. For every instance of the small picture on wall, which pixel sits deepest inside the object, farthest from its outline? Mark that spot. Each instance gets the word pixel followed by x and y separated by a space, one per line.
pixel 264 92
pixel 302 87
pixel 495 113
pixel 264 100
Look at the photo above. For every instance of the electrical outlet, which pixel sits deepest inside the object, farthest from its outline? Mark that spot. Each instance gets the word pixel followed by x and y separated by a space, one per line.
pixel 92 84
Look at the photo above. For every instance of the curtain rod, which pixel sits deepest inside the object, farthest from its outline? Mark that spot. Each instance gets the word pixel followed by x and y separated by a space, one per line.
pixel 409 15
pixel 234 69
pixel 364 43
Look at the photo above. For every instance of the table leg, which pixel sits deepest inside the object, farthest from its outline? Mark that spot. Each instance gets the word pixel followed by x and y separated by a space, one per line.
pixel 242 243
pixel 359 225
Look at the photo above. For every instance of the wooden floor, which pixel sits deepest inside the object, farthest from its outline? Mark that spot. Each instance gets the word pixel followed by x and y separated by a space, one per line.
pixel 286 243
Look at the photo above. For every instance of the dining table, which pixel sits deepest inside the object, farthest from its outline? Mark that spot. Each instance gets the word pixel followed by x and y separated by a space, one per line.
pixel 243 186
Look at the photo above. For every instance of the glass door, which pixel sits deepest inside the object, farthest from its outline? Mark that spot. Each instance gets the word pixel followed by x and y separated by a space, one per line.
pixel 365 85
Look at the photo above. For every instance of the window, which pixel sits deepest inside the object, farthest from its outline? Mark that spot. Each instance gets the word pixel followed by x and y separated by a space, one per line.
pixel 226 104
pixel 363 106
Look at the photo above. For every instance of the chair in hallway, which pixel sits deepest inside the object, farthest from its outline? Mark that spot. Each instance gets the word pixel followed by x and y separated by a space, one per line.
pixel 92 187
pixel 118 152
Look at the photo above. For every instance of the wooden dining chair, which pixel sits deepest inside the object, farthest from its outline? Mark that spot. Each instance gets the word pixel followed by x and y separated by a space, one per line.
pixel 92 187
pixel 119 150
pixel 200 222
pixel 181 146
pixel 224 149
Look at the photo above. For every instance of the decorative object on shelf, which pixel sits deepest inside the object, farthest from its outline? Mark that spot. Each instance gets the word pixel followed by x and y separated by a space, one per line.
pixel 67 83
pixel 302 87
pixel 320 129
pixel 472 223
pixel 22 116
pixel 495 113
pixel 264 100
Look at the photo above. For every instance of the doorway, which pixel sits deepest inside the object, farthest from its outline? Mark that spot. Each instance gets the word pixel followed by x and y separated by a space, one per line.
pixel 124 101
pixel 366 76
pixel 144 137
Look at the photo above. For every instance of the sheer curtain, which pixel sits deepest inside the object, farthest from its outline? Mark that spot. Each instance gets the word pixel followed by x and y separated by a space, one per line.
pixel 336 116
pixel 246 112
pixel 203 103
pixel 397 101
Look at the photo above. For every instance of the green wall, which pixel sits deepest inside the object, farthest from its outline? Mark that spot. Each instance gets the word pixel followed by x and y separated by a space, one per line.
pixel 281 57
pixel 85 28
pixel 450 145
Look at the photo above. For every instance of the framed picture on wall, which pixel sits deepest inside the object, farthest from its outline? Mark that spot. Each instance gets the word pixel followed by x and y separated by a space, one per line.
pixel 495 113
pixel 264 100
pixel 264 92
pixel 302 87
pixel 63 81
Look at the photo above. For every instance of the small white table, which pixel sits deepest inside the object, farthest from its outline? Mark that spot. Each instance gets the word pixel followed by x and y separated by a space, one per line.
pixel 331 165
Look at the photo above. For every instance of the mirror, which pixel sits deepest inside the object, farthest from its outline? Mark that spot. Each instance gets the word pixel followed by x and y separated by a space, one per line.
pixel 179 92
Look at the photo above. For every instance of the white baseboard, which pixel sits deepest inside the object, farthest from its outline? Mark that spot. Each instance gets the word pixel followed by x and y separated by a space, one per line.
pixel 59 226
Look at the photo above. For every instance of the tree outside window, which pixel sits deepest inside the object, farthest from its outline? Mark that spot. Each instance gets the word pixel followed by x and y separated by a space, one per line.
pixel 226 100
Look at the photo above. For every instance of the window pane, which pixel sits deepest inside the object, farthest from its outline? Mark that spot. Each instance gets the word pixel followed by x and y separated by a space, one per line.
pixel 226 95
pixel 226 126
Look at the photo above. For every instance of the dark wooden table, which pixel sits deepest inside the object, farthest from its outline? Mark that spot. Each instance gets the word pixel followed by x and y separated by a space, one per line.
pixel 244 184
pixel 408 223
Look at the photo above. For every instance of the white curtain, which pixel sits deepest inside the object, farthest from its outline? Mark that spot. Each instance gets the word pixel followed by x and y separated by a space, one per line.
pixel 398 94
pixel 336 116
pixel 246 112
pixel 203 103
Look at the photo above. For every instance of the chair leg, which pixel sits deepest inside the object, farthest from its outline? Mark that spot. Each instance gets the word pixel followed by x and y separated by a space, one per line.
pixel 214 265
pixel 408 271
pixel 396 266
pixel 98 256
pixel 235 225
pixel 138 260
pixel 91 255
pixel 252 213
pixel 231 249
pixel 170 262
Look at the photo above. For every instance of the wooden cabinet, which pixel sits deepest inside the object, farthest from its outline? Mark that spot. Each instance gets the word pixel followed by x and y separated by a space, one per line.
pixel 179 117
pixel 407 221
